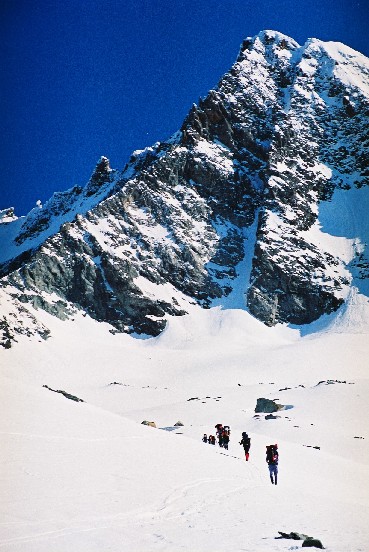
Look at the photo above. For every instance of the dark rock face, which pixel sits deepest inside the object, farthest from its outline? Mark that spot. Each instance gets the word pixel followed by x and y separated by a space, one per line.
pixel 7 337
pixel 242 179
pixel 101 175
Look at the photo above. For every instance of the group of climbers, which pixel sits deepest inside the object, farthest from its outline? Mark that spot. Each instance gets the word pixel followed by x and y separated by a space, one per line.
pixel 223 435
pixel 211 439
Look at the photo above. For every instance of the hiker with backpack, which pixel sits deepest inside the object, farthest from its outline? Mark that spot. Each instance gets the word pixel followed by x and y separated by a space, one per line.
pixel 272 457
pixel 205 438
pixel 225 438
pixel 219 433
pixel 246 443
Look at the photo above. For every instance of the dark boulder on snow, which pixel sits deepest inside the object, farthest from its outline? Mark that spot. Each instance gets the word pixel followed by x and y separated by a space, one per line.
pixel 267 405
pixel 271 417
pixel 293 535
pixel 310 542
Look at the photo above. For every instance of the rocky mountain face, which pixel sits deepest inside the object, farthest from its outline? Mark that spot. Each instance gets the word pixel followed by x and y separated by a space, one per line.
pixel 233 196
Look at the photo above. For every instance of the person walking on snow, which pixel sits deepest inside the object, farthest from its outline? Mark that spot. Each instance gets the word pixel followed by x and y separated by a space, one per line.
pixel 246 443
pixel 225 439
pixel 272 457
pixel 219 433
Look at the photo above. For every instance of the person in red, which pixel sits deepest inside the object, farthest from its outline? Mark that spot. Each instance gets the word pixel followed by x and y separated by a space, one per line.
pixel 272 458
pixel 246 443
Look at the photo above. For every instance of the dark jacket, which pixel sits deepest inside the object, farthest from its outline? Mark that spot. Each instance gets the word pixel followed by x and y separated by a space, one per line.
pixel 272 456
pixel 246 443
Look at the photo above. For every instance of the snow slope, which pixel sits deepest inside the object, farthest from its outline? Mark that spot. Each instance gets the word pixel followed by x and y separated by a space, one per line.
pixel 87 476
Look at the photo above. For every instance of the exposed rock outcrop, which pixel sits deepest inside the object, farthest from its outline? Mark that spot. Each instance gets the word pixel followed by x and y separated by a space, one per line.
pixel 267 406
pixel 146 422
pixel 308 542
pixel 65 394
pixel 240 185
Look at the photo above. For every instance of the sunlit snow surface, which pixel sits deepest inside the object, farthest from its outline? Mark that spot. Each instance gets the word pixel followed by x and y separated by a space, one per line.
pixel 89 477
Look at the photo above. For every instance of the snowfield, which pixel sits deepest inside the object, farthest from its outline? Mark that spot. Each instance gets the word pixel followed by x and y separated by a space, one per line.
pixel 88 477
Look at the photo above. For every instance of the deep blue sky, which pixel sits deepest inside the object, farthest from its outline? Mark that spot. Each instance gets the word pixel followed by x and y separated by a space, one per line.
pixel 85 78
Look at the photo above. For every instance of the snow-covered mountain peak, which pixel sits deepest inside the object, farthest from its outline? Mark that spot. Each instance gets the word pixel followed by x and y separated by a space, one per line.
pixel 228 207
pixel 274 39
pixel 235 255
pixel 339 52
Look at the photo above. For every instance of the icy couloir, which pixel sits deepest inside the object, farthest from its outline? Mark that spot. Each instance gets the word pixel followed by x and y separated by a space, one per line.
pixel 240 185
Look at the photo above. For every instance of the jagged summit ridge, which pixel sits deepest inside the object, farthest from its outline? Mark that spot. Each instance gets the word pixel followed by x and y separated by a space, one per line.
pixel 241 184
